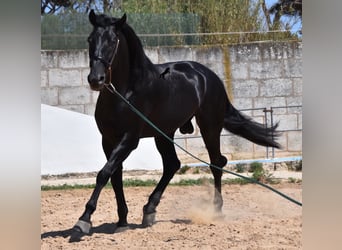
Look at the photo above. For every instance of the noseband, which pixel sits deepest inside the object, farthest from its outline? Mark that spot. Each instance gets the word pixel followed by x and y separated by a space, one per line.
pixel 107 64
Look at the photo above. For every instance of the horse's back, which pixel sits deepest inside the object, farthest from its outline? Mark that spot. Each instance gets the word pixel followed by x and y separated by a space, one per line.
pixel 197 82
pixel 205 80
pixel 192 70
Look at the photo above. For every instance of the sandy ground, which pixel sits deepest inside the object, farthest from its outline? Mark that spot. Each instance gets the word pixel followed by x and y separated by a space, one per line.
pixel 254 218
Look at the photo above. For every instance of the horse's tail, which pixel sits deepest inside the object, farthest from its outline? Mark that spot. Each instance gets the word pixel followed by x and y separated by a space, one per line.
pixel 238 124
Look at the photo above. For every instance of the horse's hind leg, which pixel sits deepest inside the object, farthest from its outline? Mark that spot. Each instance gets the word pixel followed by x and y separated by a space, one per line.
pixel 210 130
pixel 170 166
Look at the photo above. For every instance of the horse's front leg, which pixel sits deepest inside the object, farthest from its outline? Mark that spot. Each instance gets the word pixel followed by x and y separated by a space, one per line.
pixel 116 180
pixel 117 184
pixel 127 144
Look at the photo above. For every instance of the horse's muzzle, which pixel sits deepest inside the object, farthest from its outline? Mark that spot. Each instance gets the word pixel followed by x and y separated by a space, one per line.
pixel 96 82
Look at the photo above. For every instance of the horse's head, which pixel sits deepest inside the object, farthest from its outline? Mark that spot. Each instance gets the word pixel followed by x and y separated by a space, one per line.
pixel 103 46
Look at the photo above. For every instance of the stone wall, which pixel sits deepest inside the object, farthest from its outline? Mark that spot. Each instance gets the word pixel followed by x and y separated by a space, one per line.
pixel 256 76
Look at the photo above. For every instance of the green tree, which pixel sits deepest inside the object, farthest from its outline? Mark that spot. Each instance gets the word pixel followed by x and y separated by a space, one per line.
pixel 292 9
pixel 215 16
pixel 80 6
pixel 231 21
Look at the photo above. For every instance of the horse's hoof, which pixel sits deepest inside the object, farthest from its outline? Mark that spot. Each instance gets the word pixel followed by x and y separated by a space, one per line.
pixel 121 226
pixel 218 216
pixel 76 236
pixel 82 227
pixel 121 229
pixel 148 219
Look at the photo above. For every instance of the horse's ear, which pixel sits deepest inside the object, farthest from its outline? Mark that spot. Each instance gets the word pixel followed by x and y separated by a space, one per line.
pixel 92 17
pixel 119 23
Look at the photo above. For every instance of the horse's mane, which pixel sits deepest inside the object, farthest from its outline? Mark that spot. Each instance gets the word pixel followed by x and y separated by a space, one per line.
pixel 135 46
pixel 137 56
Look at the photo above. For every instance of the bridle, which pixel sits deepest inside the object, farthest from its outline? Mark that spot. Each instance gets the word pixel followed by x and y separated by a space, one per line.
pixel 108 65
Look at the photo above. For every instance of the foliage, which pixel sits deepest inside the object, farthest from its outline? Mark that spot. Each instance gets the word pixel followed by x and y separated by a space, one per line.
pixel 77 6
pixel 66 187
pixel 241 19
pixel 168 23
pixel 196 171
pixel 139 183
pixel 235 181
pixel 260 174
pixel 240 167
pixel 126 183
pixel 287 7
pixel 294 180
pixel 255 166
pixel 67 31
pixel 70 30
pixel 190 182
pixel 298 165
pixel 265 177
pixel 294 165
pixel 52 6
pixel 183 169
pixel 292 9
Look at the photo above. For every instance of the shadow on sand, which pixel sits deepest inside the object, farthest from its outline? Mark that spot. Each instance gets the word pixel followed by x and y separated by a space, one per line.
pixel 105 228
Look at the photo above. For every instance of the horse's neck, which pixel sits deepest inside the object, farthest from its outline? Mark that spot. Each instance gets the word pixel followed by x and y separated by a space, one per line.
pixel 131 69
pixel 140 64
pixel 120 67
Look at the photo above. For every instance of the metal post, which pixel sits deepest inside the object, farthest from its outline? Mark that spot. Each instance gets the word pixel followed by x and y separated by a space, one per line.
pixel 265 111
pixel 271 111
pixel 274 164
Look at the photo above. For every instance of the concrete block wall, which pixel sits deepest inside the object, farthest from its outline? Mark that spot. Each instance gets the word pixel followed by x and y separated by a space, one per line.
pixel 256 76
pixel 266 75
pixel 64 81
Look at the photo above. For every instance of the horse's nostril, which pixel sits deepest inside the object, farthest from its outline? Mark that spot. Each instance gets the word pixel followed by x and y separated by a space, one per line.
pixel 90 78
pixel 96 79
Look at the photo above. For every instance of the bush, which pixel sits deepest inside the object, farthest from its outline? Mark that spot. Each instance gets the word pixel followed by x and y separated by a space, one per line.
pixel 255 166
pixel 260 174
pixel 298 166
pixel 183 169
pixel 240 167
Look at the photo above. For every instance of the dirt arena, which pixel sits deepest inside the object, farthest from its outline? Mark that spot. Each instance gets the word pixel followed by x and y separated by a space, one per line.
pixel 254 218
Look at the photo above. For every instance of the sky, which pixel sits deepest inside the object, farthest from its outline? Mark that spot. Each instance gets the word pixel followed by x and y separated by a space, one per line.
pixel 295 28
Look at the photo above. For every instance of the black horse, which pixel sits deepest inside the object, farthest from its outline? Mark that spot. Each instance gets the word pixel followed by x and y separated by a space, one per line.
pixel 169 95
